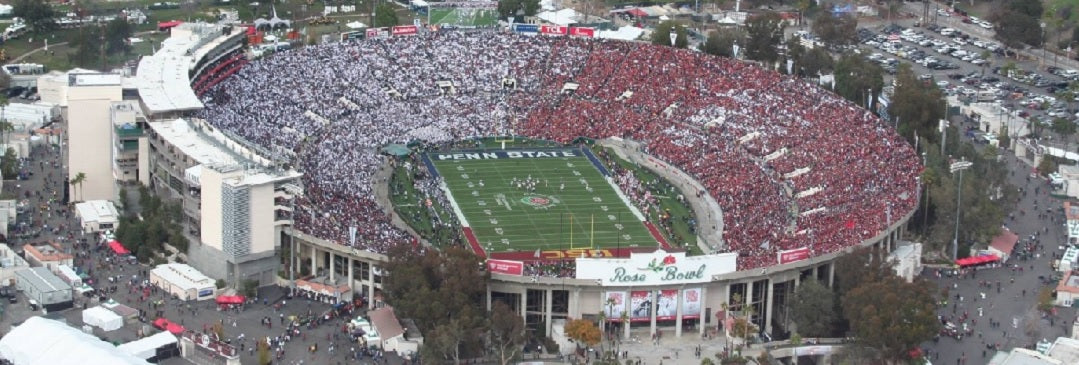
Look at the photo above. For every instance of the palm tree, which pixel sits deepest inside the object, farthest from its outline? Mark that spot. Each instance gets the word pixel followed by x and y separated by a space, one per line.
pixel 78 180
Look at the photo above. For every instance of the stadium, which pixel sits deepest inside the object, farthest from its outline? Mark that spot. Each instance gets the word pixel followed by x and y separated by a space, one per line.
pixel 529 150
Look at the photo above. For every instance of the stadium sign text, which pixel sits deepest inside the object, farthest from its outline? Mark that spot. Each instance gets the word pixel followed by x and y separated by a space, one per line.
pixel 506 154
pixel 669 273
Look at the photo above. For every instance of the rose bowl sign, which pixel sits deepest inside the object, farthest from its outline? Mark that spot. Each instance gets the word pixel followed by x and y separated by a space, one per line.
pixel 655 268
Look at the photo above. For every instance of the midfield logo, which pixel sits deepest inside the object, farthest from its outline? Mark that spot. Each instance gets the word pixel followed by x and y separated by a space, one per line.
pixel 540 201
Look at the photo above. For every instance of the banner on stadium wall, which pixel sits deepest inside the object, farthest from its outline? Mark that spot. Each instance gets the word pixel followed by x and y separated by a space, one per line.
pixel 691 303
pixel 554 29
pixel 789 256
pixel 614 305
pixel 582 32
pixel 525 28
pixel 667 305
pixel 506 267
pixel 378 33
pixel 640 306
pixel 655 268
pixel 404 30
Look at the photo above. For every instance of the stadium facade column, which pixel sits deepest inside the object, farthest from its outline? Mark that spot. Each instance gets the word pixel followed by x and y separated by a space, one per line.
pixel 548 308
pixel 678 313
pixel 524 303
pixel 489 308
pixel 768 308
pixel 314 261
pixel 704 310
pixel 625 325
pixel 831 274
pixel 371 286
pixel 333 257
pixel 350 277
pixel 652 311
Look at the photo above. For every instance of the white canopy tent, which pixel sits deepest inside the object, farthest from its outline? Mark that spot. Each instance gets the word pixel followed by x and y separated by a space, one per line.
pixel 146 348
pixel 45 341
pixel 103 318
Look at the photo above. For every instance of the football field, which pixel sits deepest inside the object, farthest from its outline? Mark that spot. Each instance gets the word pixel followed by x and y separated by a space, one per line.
pixel 464 17
pixel 543 199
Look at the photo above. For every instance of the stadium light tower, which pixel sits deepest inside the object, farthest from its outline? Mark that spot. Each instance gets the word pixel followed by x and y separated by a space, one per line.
pixel 958 166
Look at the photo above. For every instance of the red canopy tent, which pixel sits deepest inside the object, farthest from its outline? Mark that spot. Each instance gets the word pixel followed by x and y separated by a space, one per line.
pixel 175 328
pixel 976 260
pixel 230 299
pixel 161 323
pixel 118 248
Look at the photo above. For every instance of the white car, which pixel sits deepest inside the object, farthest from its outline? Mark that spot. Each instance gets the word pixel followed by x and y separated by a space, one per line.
pixel 978 61
pixel 943 13
pixel 985 24
pixel 942 84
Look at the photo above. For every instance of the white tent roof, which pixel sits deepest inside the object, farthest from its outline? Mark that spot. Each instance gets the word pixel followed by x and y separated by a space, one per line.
pixel 355 25
pixel 147 347
pixel 561 17
pixel 625 33
pixel 45 341
pixel 103 318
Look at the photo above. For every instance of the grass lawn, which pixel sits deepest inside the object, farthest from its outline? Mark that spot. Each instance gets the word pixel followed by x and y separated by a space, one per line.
pixel 587 211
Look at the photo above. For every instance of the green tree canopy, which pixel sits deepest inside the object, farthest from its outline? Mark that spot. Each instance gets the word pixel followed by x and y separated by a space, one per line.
pixel 815 62
pixel 836 29
pixel 38 14
pixel 385 16
pixel 1019 22
pixel 918 105
pixel 765 34
pixel 854 75
pixel 517 8
pixel 891 315
pixel 813 309
pixel 117 32
pixel 9 164
pixel 721 42
pixel 444 292
pixel 87 44
pixel 662 35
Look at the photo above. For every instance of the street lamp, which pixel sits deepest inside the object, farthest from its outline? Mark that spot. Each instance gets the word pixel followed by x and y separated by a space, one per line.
pixel 1041 62
pixel 958 166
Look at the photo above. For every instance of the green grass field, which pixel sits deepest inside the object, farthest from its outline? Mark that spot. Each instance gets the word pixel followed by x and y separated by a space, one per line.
pixel 505 218
pixel 464 17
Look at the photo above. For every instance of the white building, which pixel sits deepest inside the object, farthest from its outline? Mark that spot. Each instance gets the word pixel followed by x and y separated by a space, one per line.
pixel 10 262
pixel 235 201
pixel 90 134
pixel 49 255
pixel 907 259
pixel 45 341
pixel 97 216
pixel 183 281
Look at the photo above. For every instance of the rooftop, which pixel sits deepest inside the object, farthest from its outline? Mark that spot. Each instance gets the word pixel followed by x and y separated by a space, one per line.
pixel 183 276
pixel 47 252
pixel 42 278
pixel 1005 241
pixel 163 81
pixel 210 148
pixel 94 79
pixel 97 211
pixel 1069 284
pixel 1065 349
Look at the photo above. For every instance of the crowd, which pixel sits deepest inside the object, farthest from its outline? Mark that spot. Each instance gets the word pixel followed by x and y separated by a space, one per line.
pixel 791 165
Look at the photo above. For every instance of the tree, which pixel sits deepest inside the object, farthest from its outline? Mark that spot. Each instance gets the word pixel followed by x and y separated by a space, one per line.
pixel 917 106
pixel 9 164
pixel 813 309
pixel 264 352
pixel 583 331
pixel 385 16
pixel 1065 128
pixel 77 182
pixel 117 32
pixel 721 42
pixel 662 35
pixel 855 76
pixel 816 61
pixel 765 33
pixel 1019 22
pixel 508 8
pixel 87 44
pixel 836 29
pixel 444 293
pixel 862 265
pixel 506 332
pixel 38 14
pixel 891 315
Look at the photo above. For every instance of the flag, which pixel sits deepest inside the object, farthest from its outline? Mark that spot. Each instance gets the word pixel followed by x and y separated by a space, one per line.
pixel 352 235
pixel 849 224
pixel 537 254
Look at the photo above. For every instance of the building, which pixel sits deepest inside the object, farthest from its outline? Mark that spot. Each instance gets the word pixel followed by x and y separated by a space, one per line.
pixel 183 281
pixel 1067 290
pixel 128 143
pixel 10 262
pixel 52 87
pixel 97 216
pixel 165 80
pixel 38 340
pixel 1070 180
pixel 1069 260
pixel 90 134
pixel 1003 244
pixel 907 260
pixel 49 255
pixel 41 285
pixel 9 212
pixel 234 200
